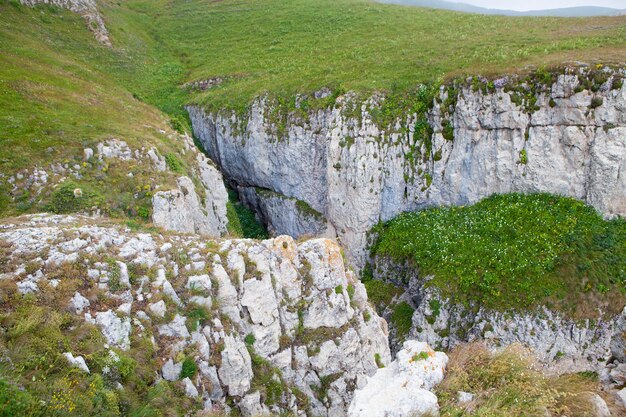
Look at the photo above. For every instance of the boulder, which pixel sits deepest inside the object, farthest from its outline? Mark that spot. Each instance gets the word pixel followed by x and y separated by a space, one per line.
pixel 115 330
pixel 402 388
pixel 78 303
pixel 77 362
pixel 236 369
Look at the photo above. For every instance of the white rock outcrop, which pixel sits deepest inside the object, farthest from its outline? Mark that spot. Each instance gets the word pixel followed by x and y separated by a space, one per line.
pixel 183 210
pixel 404 387
pixel 77 361
pixel 115 329
pixel 78 303
pixel 275 310
pixel 236 370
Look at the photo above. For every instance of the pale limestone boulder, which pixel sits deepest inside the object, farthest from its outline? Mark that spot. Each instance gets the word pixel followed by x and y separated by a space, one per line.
pixel 78 303
pixel 235 371
pixel 171 370
pixel 158 309
pixel 251 406
pixel 115 330
pixel 402 388
pixel 176 328
pixel 199 282
pixel 190 389
pixel 77 362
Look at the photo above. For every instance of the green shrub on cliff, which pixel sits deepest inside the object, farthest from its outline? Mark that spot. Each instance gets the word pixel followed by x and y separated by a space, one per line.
pixel 516 251
pixel 241 220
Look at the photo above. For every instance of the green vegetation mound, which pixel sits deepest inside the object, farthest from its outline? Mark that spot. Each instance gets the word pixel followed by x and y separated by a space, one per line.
pixel 515 251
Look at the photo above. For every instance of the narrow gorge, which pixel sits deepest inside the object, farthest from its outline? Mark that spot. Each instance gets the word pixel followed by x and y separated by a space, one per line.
pixel 310 208
pixel 339 171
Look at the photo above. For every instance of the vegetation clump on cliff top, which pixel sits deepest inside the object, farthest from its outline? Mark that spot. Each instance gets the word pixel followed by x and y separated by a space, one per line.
pixel 515 251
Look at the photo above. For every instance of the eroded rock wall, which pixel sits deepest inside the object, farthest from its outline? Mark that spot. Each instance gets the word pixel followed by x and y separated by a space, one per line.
pixel 562 344
pixel 194 208
pixel 572 141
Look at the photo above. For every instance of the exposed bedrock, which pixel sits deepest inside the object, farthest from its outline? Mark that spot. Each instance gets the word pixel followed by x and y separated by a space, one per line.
pixel 342 165
pixel 88 9
pixel 285 327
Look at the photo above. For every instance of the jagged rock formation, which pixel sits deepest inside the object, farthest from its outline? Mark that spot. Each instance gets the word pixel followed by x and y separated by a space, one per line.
pixel 271 326
pixel 181 209
pixel 402 388
pixel 88 9
pixel 565 138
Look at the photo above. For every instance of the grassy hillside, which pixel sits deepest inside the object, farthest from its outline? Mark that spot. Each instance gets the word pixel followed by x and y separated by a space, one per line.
pixel 285 46
pixel 60 83
pixel 62 88
pixel 516 251
pixel 62 91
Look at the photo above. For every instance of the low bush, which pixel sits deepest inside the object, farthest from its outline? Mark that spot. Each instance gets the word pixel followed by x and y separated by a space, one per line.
pixel 189 368
pixel 381 293
pixel 70 197
pixel 402 318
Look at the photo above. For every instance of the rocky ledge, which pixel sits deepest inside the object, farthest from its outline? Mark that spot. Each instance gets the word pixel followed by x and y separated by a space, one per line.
pixel 265 326
pixel 560 343
pixel 88 9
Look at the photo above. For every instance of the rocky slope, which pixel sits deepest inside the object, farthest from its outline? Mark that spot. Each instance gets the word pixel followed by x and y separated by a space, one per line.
pixel 262 326
pixel 564 136
pixel 186 198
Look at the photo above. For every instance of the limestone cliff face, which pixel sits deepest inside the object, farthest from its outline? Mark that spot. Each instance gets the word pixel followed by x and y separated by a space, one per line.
pixel 274 312
pixel 88 9
pixel 572 141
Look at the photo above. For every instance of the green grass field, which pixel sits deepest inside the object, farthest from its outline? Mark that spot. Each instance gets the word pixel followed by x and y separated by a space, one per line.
pixel 289 46
pixel 59 85
pixel 516 251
